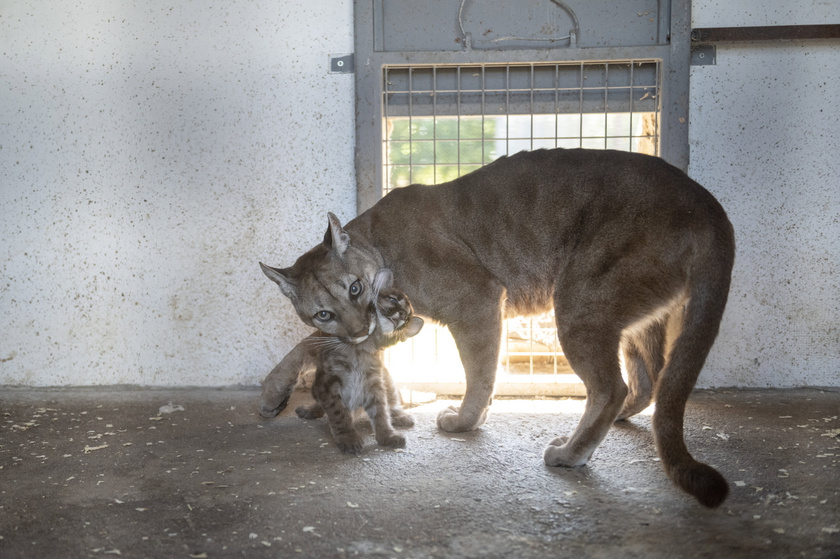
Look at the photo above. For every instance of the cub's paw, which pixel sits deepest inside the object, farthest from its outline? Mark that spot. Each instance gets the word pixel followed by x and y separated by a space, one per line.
pixel 453 420
pixel 351 443
pixel 401 419
pixel 309 411
pixel 558 453
pixel 391 440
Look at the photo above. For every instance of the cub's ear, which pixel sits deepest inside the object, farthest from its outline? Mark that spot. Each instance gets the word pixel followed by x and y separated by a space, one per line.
pixel 281 278
pixel 383 280
pixel 413 327
pixel 336 238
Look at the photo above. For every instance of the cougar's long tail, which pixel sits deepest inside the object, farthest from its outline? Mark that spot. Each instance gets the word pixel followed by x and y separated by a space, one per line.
pixel 708 290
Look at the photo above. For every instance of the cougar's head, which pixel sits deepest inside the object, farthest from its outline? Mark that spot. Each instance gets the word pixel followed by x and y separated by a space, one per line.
pixel 332 286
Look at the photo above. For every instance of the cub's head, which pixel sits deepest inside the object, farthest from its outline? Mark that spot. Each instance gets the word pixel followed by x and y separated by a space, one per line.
pixel 394 313
pixel 332 286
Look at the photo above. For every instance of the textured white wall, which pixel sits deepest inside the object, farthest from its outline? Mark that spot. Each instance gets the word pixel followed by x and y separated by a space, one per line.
pixel 151 153
pixel 758 13
pixel 764 137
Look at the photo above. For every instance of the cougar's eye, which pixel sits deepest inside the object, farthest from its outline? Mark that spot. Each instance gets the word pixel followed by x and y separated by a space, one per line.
pixel 356 288
pixel 324 316
pixel 393 300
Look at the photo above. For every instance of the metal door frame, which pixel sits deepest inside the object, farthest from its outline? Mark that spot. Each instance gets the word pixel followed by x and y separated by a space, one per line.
pixel 673 55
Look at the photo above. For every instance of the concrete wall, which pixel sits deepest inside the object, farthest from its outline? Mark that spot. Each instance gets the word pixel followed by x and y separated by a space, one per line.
pixel 764 138
pixel 151 153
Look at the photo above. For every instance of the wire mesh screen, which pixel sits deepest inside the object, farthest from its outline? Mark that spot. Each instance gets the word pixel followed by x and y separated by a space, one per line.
pixel 442 121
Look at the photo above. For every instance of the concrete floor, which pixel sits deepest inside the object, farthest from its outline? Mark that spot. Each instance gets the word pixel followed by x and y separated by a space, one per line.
pixel 105 472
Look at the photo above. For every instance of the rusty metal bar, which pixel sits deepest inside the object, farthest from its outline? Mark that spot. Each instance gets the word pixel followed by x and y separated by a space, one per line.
pixel 767 33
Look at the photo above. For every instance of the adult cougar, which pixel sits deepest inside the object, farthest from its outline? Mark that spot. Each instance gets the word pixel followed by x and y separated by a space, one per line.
pixel 620 244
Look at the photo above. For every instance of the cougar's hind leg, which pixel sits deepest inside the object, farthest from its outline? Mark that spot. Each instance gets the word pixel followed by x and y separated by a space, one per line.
pixel 596 363
pixel 639 381
pixel 310 411
pixel 643 349
pixel 589 335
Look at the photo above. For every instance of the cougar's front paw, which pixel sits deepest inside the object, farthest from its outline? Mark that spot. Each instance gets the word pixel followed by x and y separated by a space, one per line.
pixel 452 420
pixel 558 453
pixel 271 405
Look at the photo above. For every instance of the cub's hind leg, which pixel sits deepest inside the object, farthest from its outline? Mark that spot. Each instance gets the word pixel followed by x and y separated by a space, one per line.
pixel 399 417
pixel 382 428
pixel 380 415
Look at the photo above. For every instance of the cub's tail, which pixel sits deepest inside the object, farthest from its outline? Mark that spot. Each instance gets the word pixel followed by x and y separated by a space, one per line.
pixel 708 290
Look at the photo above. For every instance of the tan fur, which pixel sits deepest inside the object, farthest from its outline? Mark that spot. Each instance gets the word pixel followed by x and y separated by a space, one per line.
pixel 625 247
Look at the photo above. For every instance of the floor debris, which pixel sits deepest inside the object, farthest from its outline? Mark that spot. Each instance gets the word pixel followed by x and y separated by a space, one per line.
pixel 216 480
pixel 169 408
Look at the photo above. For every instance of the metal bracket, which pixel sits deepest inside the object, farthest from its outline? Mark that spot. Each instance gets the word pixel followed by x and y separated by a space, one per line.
pixel 342 64
pixel 703 55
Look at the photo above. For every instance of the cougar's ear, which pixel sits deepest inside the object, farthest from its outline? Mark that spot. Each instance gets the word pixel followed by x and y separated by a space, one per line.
pixel 336 238
pixel 383 280
pixel 281 278
pixel 414 326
